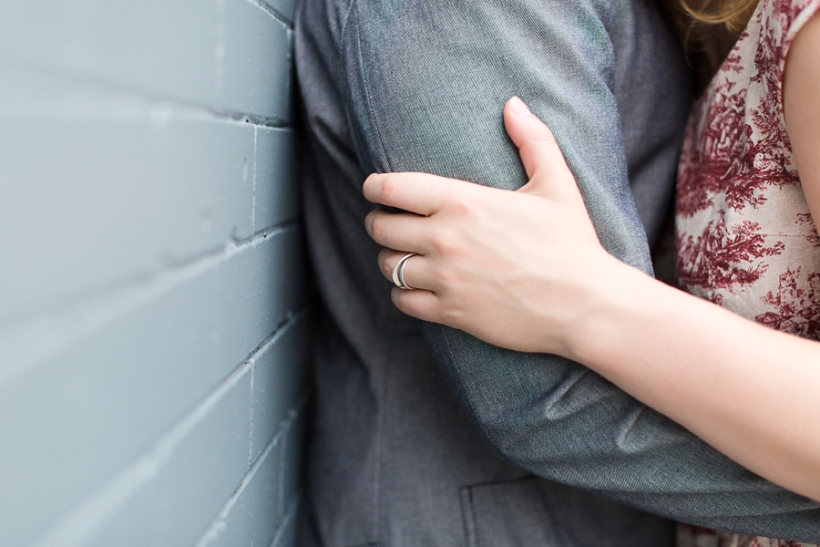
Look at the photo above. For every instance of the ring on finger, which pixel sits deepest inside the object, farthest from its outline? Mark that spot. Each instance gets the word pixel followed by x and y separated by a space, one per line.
pixel 398 272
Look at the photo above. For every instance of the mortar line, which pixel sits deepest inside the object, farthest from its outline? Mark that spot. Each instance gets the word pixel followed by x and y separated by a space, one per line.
pixel 219 523
pixel 290 513
pixel 229 115
pixel 273 12
pixel 106 304
pixel 225 250
pixel 90 515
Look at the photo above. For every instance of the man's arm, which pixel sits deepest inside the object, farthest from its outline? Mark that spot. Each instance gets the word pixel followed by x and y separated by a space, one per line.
pixel 425 82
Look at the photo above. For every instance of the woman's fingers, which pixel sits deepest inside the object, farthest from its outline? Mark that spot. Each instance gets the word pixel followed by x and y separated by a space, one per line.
pixel 421 302
pixel 422 305
pixel 549 175
pixel 418 193
pixel 417 271
pixel 402 231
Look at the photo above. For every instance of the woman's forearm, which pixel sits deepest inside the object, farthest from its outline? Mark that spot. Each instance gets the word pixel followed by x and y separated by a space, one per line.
pixel 525 270
pixel 749 391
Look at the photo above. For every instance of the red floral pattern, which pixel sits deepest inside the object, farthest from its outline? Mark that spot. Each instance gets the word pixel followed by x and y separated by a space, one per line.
pixel 793 309
pixel 813 237
pixel 742 220
pixel 745 237
pixel 724 257
pixel 695 536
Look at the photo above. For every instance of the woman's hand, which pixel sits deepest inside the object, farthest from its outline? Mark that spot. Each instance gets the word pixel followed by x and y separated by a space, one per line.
pixel 516 269
pixel 525 270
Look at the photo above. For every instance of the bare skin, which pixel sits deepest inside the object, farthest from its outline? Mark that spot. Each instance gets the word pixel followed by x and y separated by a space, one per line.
pixel 524 270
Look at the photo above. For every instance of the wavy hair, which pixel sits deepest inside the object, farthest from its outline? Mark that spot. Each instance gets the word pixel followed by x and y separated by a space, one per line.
pixel 732 14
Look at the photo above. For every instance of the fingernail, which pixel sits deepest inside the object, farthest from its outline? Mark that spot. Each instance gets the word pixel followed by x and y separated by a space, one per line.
pixel 518 107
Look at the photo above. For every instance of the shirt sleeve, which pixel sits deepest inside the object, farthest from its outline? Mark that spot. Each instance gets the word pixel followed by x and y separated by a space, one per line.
pixel 426 87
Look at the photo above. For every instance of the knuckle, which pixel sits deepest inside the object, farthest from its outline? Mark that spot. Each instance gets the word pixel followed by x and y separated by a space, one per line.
pixel 450 316
pixel 387 267
pixel 378 230
pixel 389 188
pixel 444 243
pixel 545 134
pixel 470 200
pixel 447 279
pixel 542 142
pixel 438 242
pixel 541 133
pixel 464 208
pixel 539 128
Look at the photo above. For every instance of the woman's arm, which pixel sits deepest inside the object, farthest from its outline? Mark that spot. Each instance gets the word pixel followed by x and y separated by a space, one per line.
pixel 749 391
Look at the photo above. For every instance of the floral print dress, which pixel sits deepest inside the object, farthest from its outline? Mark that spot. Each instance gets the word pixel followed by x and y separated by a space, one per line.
pixel 745 237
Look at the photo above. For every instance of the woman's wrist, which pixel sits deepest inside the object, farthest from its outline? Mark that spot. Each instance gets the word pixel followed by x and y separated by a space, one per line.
pixel 615 295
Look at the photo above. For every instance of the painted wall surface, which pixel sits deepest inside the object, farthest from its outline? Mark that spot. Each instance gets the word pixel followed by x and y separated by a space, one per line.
pixel 152 299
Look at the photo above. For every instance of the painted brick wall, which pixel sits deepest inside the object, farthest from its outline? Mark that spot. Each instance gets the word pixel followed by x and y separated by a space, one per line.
pixel 152 301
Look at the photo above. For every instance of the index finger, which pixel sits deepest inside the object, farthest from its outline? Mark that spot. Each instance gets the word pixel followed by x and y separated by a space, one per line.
pixel 419 193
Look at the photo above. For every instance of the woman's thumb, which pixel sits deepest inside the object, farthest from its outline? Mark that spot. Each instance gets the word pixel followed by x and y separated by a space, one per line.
pixel 546 168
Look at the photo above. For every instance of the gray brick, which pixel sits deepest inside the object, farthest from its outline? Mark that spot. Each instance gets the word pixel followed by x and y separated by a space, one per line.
pixel 277 193
pixel 257 75
pixel 76 419
pixel 139 165
pixel 128 188
pixel 177 49
pixel 280 370
pixel 249 519
pixel 165 48
pixel 190 486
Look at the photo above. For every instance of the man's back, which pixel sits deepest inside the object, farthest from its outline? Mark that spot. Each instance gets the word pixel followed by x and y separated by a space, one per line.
pixel 419 85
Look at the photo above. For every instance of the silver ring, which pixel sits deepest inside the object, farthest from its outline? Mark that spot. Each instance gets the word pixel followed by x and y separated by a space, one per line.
pixel 398 272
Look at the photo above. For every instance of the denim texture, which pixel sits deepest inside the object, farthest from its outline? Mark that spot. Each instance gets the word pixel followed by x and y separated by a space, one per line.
pixel 410 422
